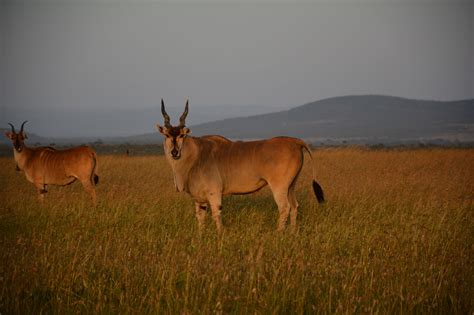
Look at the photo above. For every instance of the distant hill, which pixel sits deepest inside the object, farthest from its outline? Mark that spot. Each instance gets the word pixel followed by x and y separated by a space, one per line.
pixel 365 119
pixel 86 123
pixel 359 119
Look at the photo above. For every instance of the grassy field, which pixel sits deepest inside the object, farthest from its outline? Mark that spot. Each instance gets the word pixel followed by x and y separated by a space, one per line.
pixel 396 235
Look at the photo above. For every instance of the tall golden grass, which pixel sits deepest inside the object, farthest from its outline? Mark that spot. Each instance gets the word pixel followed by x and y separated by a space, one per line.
pixel 396 235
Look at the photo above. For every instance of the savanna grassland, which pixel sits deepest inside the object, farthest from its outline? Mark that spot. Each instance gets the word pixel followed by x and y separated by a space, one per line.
pixel 396 235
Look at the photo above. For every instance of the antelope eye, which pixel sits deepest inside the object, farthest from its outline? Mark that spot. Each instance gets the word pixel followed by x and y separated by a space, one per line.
pixel 181 136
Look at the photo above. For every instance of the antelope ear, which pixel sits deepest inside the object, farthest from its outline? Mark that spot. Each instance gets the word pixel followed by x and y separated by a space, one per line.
pixel 9 134
pixel 24 135
pixel 186 131
pixel 161 129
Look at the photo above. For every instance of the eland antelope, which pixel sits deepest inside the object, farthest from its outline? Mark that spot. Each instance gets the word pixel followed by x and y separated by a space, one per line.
pixel 45 166
pixel 212 166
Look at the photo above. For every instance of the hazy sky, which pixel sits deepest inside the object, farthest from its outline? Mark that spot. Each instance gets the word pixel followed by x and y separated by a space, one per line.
pixel 75 56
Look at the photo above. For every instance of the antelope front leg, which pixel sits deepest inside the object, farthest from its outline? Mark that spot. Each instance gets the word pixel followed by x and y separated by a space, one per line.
pixel 215 201
pixel 41 189
pixel 200 214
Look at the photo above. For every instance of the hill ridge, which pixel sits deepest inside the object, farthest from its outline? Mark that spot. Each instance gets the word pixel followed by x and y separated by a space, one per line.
pixel 358 119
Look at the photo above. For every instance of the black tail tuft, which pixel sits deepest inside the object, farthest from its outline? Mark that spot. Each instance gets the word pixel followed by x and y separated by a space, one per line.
pixel 96 179
pixel 318 191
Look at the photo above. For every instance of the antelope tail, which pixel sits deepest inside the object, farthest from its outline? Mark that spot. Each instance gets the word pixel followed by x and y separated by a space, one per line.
pixel 95 168
pixel 318 191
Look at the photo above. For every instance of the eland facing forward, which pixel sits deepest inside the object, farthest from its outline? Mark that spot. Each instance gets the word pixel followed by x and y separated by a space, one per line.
pixel 45 166
pixel 212 166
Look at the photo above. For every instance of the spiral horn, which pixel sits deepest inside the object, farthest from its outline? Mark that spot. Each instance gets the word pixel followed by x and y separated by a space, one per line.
pixel 165 115
pixel 182 119
pixel 13 128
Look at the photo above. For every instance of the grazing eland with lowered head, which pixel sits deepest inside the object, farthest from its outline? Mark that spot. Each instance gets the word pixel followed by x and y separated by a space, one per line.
pixel 45 166
pixel 212 166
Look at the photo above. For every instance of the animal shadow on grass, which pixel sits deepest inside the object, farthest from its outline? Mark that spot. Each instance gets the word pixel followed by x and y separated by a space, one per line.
pixel 260 209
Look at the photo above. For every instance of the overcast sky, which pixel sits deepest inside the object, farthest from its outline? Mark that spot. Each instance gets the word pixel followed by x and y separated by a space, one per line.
pixel 76 56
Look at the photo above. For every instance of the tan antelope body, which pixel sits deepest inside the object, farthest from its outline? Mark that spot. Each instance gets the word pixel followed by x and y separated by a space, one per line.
pixel 45 166
pixel 212 166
